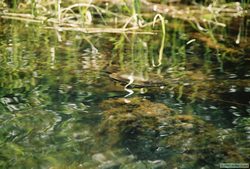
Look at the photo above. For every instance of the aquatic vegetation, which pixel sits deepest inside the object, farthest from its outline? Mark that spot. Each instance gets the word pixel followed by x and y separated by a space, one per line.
pixel 72 16
pixel 124 84
pixel 164 134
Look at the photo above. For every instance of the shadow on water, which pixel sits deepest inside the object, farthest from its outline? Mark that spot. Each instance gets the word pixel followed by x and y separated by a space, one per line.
pixel 102 101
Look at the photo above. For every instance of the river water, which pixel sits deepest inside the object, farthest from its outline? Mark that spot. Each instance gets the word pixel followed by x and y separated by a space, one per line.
pixel 61 108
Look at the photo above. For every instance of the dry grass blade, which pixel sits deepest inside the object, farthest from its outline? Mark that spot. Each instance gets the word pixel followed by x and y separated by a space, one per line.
pixel 102 30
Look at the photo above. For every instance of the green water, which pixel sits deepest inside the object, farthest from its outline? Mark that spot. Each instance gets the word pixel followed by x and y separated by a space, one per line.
pixel 60 108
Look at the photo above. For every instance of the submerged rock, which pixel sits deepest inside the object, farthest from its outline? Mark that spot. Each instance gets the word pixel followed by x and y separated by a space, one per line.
pixel 153 131
pixel 109 165
pixel 99 157
pixel 158 164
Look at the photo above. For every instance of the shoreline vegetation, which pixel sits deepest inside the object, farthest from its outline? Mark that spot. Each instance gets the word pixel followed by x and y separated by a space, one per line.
pixel 136 17
pixel 124 17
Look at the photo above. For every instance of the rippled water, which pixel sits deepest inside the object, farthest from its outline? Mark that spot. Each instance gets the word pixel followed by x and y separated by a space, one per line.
pixel 60 108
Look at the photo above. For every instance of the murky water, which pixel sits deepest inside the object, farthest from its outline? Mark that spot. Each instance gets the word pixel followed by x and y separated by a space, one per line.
pixel 61 108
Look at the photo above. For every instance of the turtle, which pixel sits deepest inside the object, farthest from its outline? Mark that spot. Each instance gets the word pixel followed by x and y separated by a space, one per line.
pixel 138 80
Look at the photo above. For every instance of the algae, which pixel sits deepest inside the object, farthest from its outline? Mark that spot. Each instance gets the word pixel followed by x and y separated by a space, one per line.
pixel 165 134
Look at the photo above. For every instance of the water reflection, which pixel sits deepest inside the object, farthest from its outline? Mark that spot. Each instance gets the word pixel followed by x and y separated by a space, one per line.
pixel 62 103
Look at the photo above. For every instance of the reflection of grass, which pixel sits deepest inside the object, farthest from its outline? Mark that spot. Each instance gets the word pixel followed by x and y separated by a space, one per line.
pixel 72 16
pixel 163 37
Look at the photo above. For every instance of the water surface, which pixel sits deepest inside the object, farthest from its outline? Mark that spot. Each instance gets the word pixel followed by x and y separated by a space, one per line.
pixel 60 108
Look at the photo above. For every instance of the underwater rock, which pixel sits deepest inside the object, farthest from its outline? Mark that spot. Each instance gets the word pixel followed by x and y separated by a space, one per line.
pixel 99 157
pixel 137 120
pixel 109 165
pixel 158 164
pixel 136 116
pixel 153 131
